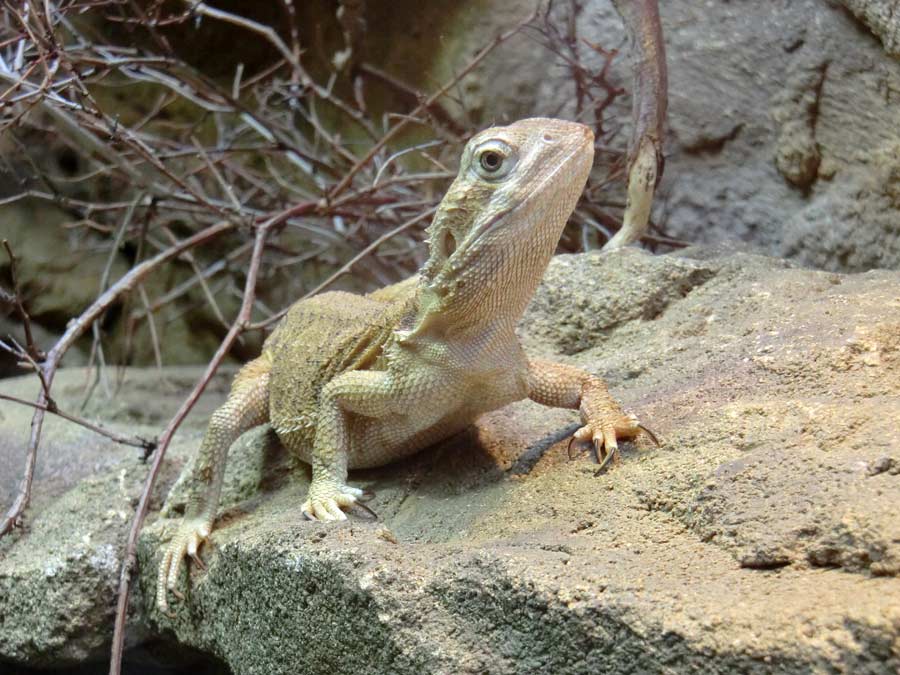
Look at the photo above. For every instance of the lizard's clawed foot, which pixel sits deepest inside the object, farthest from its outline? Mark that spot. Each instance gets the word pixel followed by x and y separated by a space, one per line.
pixel 326 501
pixel 605 436
pixel 187 541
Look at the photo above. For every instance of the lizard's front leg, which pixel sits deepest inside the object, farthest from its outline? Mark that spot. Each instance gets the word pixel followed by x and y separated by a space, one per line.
pixel 357 392
pixel 563 386
pixel 247 406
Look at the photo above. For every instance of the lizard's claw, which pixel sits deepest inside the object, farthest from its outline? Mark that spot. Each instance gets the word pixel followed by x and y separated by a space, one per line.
pixel 187 541
pixel 605 435
pixel 652 435
pixel 326 501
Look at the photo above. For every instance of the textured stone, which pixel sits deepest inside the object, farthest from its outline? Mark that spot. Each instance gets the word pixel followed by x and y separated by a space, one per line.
pixel 853 225
pixel 760 538
pixel 882 17
pixel 59 575
pixel 774 109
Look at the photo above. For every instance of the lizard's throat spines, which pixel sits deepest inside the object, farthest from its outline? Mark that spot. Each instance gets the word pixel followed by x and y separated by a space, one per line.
pixel 492 286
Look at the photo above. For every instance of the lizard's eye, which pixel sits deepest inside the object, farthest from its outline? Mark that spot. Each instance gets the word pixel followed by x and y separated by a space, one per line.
pixel 491 160
pixel 494 160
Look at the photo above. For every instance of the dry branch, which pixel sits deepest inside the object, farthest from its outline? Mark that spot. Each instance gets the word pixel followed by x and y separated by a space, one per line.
pixel 650 100
pixel 239 325
pixel 76 327
pixel 146 444
pixel 31 348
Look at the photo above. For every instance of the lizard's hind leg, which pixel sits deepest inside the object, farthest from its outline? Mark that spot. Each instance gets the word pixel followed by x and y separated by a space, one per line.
pixel 247 406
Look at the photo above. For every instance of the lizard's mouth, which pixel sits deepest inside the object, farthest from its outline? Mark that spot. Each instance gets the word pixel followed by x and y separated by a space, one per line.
pixel 491 222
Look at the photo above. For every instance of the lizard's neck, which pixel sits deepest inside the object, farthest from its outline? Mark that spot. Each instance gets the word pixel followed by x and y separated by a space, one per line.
pixel 489 291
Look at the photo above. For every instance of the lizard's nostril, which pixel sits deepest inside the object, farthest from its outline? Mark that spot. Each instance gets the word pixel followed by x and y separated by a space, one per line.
pixel 549 138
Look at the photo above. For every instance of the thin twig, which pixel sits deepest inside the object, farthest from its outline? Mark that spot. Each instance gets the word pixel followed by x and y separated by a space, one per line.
pixel 424 105
pixel 348 265
pixel 73 331
pixel 50 407
pixel 410 95
pixel 240 324
pixel 30 346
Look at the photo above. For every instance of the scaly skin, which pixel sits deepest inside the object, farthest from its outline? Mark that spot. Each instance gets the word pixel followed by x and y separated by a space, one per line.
pixel 353 381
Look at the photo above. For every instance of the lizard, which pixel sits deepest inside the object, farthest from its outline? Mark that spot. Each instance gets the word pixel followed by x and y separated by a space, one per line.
pixel 355 381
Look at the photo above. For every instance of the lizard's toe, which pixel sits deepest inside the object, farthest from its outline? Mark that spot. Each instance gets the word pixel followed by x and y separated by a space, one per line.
pixel 323 509
pixel 604 433
pixel 326 503
pixel 187 542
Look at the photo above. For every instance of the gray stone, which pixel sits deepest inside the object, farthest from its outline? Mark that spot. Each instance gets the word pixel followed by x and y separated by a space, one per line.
pixel 882 17
pixel 59 575
pixel 854 225
pixel 760 538
pixel 805 101
pixel 776 110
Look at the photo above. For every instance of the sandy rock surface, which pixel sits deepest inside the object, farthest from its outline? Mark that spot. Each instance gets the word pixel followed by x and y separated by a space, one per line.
pixel 59 575
pixel 762 536
pixel 882 17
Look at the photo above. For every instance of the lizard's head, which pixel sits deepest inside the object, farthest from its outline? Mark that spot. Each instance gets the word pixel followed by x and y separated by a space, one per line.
pixel 501 219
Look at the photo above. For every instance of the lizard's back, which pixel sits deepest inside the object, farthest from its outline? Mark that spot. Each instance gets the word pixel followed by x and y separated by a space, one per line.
pixel 317 340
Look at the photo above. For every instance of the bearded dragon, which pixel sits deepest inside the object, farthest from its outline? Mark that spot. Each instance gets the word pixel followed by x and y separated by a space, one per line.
pixel 350 381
